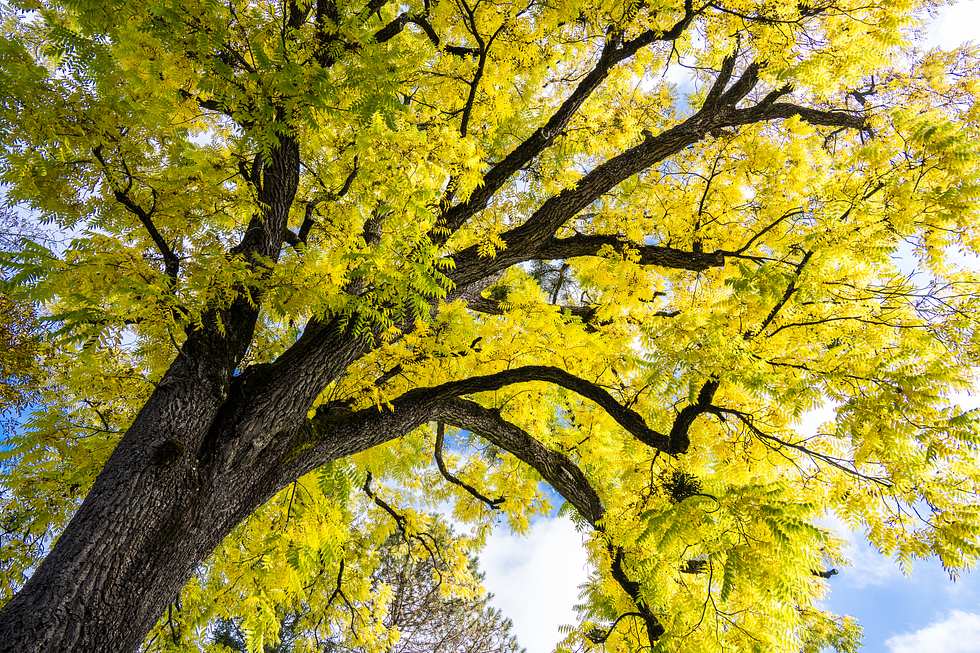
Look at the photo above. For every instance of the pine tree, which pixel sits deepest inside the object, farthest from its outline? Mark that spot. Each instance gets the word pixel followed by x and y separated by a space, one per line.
pixel 424 619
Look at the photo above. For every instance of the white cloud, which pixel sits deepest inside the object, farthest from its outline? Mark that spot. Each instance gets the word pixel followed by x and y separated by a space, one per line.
pixel 955 25
pixel 811 421
pixel 957 633
pixel 535 579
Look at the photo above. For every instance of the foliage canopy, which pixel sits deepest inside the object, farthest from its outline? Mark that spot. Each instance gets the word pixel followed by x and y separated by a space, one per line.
pixel 322 271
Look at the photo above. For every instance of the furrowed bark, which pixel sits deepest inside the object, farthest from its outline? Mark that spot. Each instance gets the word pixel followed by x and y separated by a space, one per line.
pixel 128 549
pixel 154 511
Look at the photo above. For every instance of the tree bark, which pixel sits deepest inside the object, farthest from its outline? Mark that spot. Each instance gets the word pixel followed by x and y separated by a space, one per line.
pixel 164 501
pixel 134 540
pixel 170 491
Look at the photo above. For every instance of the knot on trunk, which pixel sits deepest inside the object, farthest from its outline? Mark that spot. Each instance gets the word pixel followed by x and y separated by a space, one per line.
pixel 166 452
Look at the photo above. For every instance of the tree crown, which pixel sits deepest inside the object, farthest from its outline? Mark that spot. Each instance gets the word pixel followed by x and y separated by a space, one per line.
pixel 349 217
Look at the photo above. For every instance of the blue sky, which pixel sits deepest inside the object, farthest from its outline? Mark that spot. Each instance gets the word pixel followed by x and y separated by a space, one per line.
pixel 919 613
pixel 535 578
pixel 535 581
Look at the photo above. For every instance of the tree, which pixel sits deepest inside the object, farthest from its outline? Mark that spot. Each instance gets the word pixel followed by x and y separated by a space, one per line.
pixel 18 349
pixel 305 232
pixel 19 339
pixel 427 621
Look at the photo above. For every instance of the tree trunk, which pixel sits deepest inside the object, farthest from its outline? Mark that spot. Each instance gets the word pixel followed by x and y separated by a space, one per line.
pixel 126 554
pixel 188 470
pixel 171 489
pixel 151 516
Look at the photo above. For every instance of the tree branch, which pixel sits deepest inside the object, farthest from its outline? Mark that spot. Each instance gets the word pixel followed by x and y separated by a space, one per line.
pixel 790 290
pixel 171 263
pixel 632 588
pixel 276 178
pixel 555 468
pixel 397 26
pixel 625 417
pixel 781 110
pixel 657 255
pixel 494 307
pixel 766 438
pixel 560 472
pixel 416 406
pixel 309 212
pixel 613 53
pixel 679 432
pixel 583 312
pixel 493 504
pixel 524 241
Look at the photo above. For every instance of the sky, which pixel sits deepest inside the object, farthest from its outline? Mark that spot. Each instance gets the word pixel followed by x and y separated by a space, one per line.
pixel 535 578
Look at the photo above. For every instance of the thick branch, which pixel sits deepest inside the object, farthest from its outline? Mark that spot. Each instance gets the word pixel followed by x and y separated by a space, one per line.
pixel 171 263
pixel 667 257
pixel 334 432
pixel 474 85
pixel 614 52
pixel 326 25
pixel 350 432
pixel 276 179
pixel 560 472
pixel 524 242
pixel 679 432
pixel 625 417
pixel 782 110
pixel 555 468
